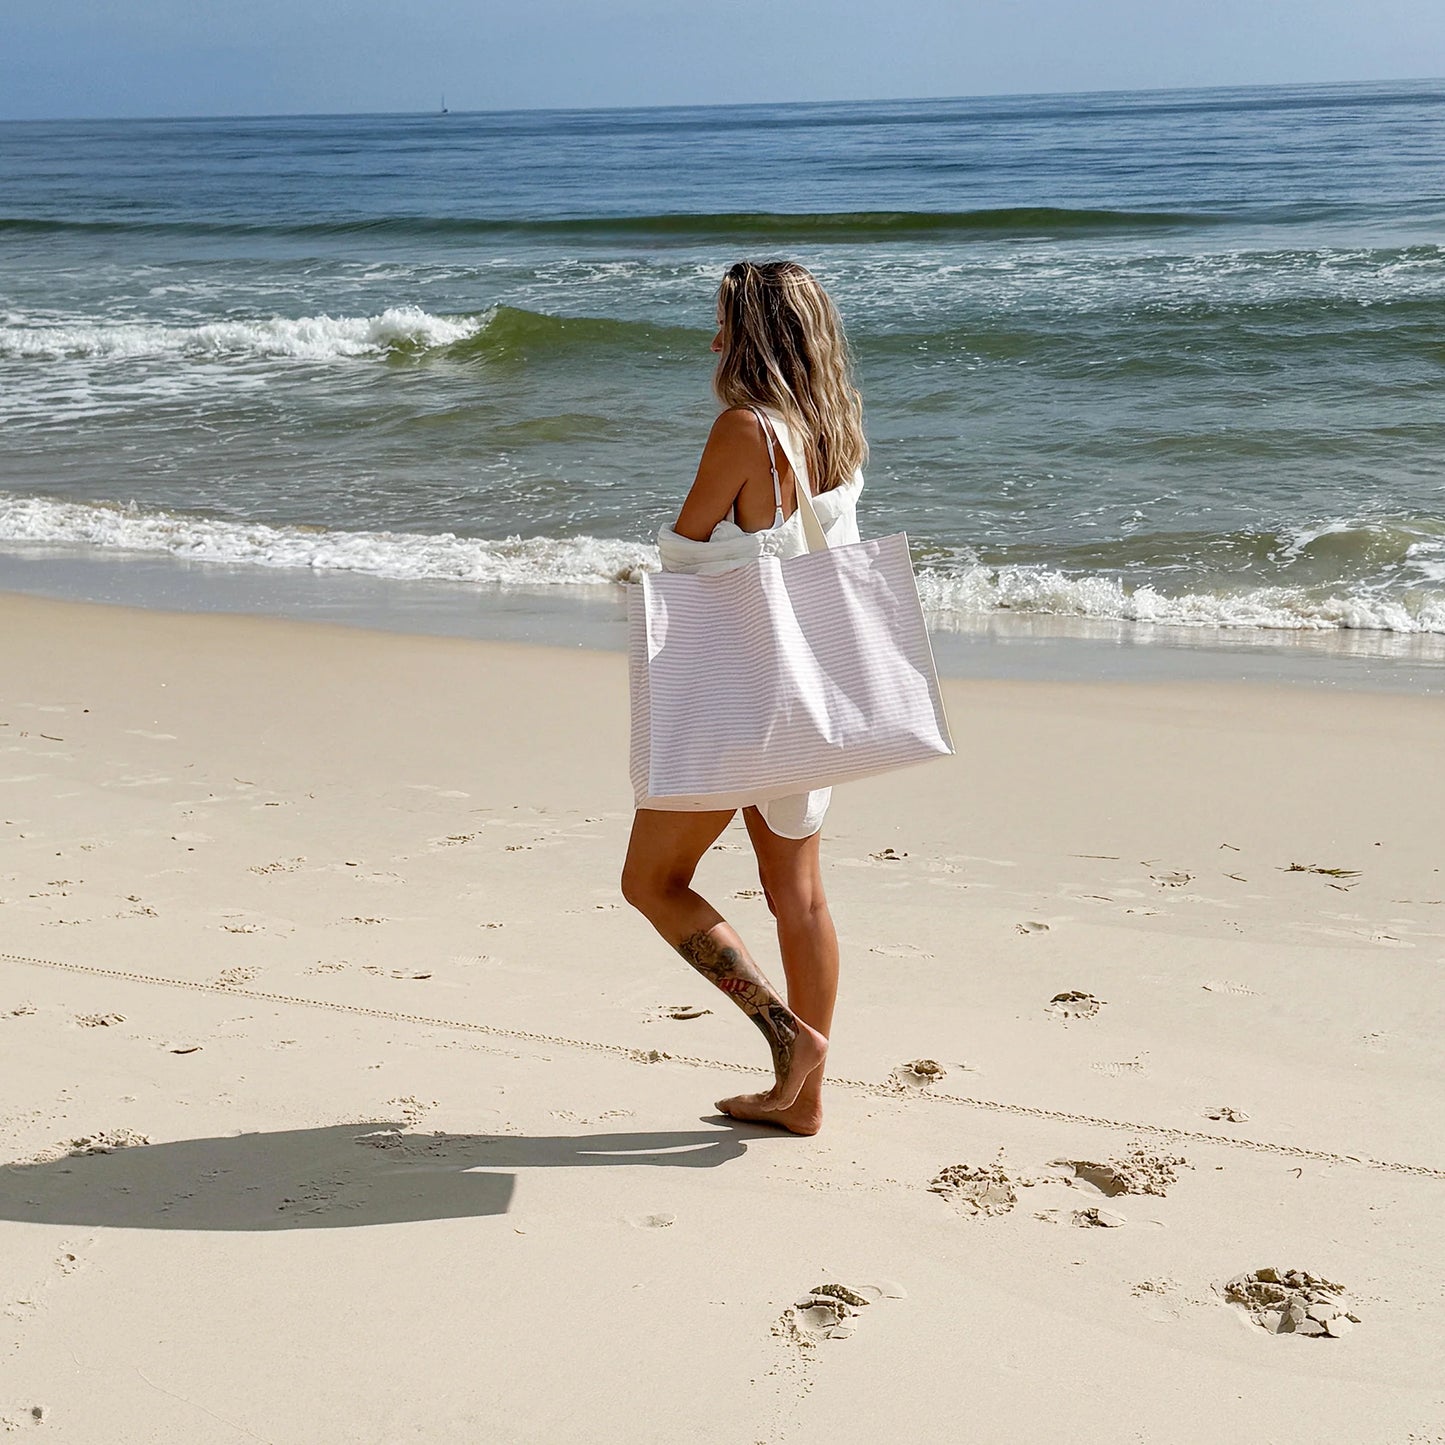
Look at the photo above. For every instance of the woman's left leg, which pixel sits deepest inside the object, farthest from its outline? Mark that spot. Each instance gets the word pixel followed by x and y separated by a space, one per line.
pixel 790 871
pixel 662 856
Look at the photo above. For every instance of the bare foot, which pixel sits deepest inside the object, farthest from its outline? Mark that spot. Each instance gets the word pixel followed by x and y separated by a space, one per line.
pixel 809 1049
pixel 803 1116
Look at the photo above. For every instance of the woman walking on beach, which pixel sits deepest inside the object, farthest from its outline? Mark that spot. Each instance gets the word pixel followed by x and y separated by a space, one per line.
pixel 792 418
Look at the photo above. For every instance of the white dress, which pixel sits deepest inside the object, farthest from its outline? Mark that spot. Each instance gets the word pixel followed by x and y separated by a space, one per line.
pixel 799 815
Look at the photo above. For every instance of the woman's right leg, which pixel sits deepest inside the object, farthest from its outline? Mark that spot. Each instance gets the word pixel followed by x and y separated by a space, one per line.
pixel 662 856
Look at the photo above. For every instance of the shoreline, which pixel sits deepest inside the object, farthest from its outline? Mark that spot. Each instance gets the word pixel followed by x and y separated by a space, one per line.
pixel 1036 647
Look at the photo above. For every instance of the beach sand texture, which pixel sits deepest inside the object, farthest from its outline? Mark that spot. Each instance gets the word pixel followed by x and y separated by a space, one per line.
pixel 344 1101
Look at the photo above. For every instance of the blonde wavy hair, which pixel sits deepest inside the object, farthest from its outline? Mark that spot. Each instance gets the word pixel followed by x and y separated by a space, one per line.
pixel 783 347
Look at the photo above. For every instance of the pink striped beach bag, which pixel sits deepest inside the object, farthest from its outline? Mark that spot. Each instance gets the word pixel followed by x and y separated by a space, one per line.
pixel 780 676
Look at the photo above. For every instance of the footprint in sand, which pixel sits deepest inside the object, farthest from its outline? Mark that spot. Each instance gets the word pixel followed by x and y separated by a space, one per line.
pixel 1164 1300
pixel 29 1415
pixel 410 1108
pixel 1074 1005
pixel 1096 1217
pixel 105 1142
pixel 1031 926
pixel 1225 1112
pixel 235 977
pixel 830 1311
pixel 900 950
pixel 919 1074
pixel 281 865
pixel 976 1189
pixel 99 1021
pixel 676 1011
pixel 1291 1302
pixel 1239 990
pixel 68 1261
pixel 1139 1171
pixel 1117 1068
pixel 1172 880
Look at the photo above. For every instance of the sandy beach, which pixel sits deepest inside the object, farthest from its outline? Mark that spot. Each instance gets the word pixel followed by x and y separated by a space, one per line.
pixel 343 1100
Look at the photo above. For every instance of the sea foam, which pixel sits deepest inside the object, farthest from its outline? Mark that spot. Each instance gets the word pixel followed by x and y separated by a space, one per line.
pixel 305 338
pixel 508 562
pixel 952 597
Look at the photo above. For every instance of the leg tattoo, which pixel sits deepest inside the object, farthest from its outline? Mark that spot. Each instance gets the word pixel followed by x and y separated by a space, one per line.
pixel 737 976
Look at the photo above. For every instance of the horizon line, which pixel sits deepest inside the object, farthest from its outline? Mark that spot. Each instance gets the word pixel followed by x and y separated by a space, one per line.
pixel 722 105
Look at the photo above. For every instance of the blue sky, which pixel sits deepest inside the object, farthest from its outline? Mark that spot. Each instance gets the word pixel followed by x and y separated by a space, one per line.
pixel 213 57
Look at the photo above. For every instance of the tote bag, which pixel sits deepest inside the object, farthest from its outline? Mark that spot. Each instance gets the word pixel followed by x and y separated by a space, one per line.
pixel 780 676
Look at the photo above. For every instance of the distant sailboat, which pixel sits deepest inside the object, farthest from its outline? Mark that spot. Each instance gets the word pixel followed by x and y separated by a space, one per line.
pixel 445 111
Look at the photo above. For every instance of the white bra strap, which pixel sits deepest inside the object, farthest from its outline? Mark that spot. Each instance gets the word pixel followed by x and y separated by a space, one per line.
pixel 772 458
pixel 813 533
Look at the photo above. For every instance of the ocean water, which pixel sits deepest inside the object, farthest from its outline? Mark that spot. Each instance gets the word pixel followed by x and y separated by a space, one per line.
pixel 1166 357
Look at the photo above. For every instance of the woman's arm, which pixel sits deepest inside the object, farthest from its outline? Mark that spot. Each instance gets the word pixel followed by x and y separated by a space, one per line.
pixel 731 455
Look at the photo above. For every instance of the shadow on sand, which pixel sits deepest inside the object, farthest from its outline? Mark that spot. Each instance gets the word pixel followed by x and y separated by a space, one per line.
pixel 330 1178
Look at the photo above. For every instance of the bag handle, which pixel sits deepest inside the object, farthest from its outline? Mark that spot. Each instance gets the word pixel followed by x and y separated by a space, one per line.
pixel 812 528
pixel 813 533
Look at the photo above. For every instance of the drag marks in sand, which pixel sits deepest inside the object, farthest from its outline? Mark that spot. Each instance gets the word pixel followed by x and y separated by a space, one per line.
pixel 889 1089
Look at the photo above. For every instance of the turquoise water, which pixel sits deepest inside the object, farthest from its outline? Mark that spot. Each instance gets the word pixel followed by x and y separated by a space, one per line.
pixel 1166 357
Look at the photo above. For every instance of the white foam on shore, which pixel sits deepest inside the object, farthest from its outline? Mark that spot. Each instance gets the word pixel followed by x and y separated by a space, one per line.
pixel 410 556
pixel 951 598
pixel 305 338
pixel 978 590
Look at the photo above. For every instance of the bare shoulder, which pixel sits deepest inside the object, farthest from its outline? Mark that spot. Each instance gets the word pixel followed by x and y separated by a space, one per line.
pixel 733 457
pixel 738 426
pixel 737 443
